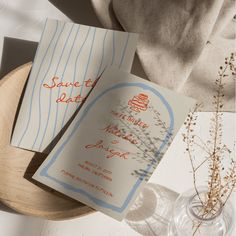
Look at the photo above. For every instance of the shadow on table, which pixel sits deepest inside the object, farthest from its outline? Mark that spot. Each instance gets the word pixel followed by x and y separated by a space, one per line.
pixel 79 11
pixel 7 209
pixel 15 53
pixel 151 211
pixel 82 12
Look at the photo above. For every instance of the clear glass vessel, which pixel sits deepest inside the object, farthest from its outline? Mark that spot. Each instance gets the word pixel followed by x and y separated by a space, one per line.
pixel 187 221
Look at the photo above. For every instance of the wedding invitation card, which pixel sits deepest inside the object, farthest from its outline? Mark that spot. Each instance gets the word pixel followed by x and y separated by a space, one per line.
pixel 115 142
pixel 69 59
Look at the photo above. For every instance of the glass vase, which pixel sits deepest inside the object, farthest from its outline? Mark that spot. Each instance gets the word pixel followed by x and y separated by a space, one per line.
pixel 187 221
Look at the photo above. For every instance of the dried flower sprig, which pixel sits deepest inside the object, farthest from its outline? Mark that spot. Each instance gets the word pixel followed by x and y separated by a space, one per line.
pixel 221 178
pixel 147 144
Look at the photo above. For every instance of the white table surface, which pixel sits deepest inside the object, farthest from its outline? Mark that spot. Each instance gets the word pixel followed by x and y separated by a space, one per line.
pixel 23 19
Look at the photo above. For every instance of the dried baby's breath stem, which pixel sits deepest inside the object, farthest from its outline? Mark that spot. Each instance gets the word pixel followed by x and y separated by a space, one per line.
pixel 160 121
pixel 139 132
pixel 214 184
pixel 221 179
pixel 202 144
pixel 189 139
pixel 146 143
pixel 232 180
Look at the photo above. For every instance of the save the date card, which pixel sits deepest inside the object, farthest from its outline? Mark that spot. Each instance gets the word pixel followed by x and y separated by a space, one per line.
pixel 69 59
pixel 115 142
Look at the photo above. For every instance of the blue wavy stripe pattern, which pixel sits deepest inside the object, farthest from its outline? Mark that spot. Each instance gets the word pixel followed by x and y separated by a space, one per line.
pixel 71 91
pixel 103 46
pixel 124 50
pixel 49 109
pixel 113 48
pixel 88 62
pixel 62 76
pixel 54 40
pixel 42 81
pixel 56 118
pixel 36 77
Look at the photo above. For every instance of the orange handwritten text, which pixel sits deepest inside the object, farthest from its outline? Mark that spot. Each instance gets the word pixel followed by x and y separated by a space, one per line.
pixel 111 152
pixel 87 83
pixel 97 170
pixel 129 118
pixel 64 99
pixel 113 129
pixel 87 183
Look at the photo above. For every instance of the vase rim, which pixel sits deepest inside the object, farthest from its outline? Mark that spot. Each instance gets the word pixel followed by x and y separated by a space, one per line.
pixel 196 216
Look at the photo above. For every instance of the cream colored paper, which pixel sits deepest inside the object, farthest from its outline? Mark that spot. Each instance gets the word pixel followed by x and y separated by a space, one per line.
pixel 70 57
pixel 115 142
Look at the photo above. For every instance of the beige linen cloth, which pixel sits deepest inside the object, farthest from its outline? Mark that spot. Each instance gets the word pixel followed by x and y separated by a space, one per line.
pixel 182 43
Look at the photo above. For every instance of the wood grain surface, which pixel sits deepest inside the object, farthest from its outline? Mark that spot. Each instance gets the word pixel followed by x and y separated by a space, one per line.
pixel 17 189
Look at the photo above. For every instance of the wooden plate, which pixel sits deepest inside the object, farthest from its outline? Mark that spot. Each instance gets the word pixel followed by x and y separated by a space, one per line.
pixel 17 189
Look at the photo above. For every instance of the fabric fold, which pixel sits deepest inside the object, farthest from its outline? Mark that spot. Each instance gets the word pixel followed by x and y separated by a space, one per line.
pixel 182 43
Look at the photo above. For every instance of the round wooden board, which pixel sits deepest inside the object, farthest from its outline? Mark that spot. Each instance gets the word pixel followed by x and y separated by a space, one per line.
pixel 17 189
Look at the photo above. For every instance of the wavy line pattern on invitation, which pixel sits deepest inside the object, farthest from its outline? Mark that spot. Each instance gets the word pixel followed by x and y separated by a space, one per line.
pixel 41 84
pixel 89 55
pixel 56 118
pixel 124 51
pixel 71 91
pixel 113 48
pixel 44 133
pixel 35 82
